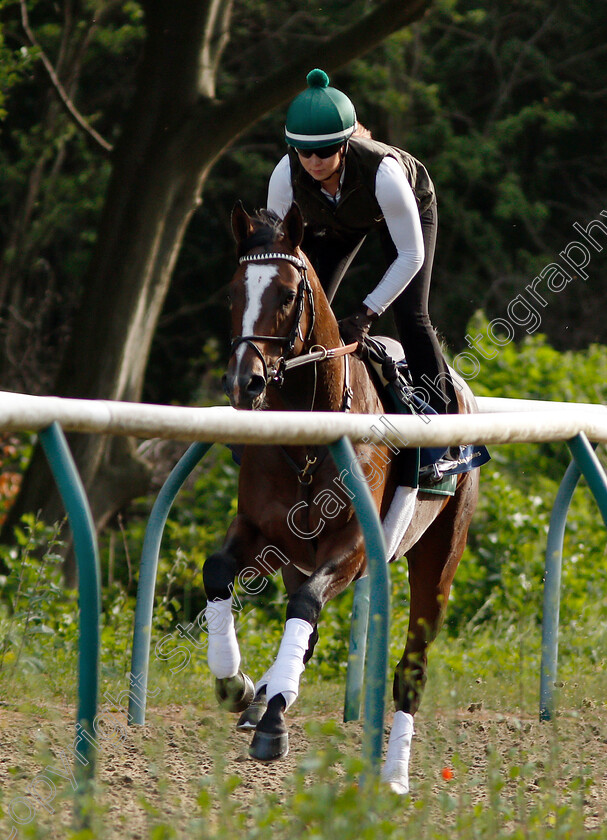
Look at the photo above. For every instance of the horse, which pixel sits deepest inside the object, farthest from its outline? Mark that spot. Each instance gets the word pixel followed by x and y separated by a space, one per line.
pixel 293 514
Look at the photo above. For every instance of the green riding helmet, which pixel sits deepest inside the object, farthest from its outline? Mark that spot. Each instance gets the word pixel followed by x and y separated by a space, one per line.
pixel 320 116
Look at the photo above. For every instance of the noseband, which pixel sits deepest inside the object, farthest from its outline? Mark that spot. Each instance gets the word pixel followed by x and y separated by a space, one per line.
pixel 277 373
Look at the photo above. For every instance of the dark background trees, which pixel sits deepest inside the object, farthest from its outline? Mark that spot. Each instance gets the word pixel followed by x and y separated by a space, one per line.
pixel 503 101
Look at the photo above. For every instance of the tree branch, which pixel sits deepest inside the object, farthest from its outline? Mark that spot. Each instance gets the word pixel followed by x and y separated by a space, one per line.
pixel 246 107
pixel 216 39
pixel 507 87
pixel 61 92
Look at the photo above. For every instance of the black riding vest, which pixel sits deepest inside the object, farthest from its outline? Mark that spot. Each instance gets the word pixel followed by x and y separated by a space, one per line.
pixel 357 210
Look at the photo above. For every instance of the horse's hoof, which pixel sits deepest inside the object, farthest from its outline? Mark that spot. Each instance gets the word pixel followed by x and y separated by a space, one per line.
pixel 271 740
pixel 251 716
pixel 235 693
pixel 267 746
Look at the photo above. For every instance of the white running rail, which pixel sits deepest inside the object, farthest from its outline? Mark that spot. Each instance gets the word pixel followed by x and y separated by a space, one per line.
pixel 499 421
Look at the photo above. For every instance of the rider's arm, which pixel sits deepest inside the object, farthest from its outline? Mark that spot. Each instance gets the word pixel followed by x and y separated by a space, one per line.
pixel 399 207
pixel 280 190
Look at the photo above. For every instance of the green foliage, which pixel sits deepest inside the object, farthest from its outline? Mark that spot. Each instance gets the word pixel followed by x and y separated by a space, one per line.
pixel 533 369
pixel 502 569
pixel 491 99
pixel 13 63
pixel 39 616
pixel 33 621
pixel 53 177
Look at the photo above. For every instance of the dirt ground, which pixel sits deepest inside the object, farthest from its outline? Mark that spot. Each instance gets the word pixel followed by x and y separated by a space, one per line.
pixel 155 775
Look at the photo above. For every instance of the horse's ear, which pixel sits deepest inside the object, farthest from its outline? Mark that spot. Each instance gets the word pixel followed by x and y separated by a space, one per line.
pixel 242 225
pixel 293 226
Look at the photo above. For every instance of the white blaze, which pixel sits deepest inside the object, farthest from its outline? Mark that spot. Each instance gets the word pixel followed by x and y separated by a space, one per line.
pixel 257 280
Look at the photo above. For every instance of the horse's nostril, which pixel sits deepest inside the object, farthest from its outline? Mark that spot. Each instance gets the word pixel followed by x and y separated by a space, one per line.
pixel 255 386
pixel 224 384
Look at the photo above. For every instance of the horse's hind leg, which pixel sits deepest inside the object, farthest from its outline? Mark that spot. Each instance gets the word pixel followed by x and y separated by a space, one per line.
pixel 432 565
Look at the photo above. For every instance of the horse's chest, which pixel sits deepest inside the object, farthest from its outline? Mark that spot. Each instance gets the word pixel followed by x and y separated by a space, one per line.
pixel 296 509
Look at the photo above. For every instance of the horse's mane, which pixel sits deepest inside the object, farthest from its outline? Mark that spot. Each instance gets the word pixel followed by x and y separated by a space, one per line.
pixel 267 229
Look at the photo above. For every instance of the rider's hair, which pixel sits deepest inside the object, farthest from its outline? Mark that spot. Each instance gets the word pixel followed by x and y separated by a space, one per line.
pixel 361 131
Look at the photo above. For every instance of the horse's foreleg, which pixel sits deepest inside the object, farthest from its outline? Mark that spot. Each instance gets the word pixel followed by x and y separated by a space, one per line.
pixel 293 579
pixel 249 720
pixel 305 604
pixel 233 689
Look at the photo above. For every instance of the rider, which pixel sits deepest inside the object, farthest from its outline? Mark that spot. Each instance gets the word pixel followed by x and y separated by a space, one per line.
pixel 347 184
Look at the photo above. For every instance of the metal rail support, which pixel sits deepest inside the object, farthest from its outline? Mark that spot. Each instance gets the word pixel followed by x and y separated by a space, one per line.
pixel 356 654
pixel 552 589
pixel 379 596
pixel 140 658
pixel 591 469
pixel 76 505
pixel 587 464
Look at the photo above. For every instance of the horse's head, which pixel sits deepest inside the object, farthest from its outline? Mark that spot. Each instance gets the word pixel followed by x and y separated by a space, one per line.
pixel 270 318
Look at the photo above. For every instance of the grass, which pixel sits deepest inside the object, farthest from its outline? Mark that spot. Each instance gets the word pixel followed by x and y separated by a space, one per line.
pixel 186 773
pixel 482 764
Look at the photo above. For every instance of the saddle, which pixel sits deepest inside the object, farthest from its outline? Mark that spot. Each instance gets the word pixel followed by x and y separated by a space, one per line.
pixel 433 469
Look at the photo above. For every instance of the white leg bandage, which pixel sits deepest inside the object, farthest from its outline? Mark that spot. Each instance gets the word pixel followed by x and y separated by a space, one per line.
pixel 398 518
pixel 396 767
pixel 223 654
pixel 265 679
pixel 288 665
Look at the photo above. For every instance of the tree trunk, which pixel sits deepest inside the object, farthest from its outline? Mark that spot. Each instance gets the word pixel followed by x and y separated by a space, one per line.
pixel 153 191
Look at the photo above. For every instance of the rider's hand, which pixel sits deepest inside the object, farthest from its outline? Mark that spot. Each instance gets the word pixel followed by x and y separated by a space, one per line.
pixel 355 327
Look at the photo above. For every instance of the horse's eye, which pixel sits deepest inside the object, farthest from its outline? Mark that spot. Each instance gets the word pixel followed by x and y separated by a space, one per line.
pixel 289 297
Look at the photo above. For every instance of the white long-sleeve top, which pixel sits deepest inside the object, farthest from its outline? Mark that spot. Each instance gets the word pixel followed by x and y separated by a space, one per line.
pixel 399 207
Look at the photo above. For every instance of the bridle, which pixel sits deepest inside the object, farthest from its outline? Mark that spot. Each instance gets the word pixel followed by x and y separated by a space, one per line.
pixel 277 373
pixel 286 361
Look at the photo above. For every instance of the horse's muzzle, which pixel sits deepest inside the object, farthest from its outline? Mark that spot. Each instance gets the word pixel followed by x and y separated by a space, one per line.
pixel 246 391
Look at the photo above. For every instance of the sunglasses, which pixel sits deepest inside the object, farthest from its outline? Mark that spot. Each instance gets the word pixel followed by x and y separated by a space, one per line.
pixel 323 153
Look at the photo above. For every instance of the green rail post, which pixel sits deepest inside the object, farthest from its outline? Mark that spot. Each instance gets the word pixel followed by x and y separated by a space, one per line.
pixel 552 589
pixel 591 469
pixel 379 594
pixel 144 608
pixel 587 464
pixel 356 653
pixel 76 505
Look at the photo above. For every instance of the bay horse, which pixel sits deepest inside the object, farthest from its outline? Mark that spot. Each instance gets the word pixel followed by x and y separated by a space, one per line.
pixel 293 514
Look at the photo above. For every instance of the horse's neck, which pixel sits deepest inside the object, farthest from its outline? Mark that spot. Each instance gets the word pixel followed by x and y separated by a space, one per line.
pixel 366 399
pixel 315 386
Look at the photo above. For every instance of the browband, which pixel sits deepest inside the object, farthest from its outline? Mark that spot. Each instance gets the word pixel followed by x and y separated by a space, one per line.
pixel 300 264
